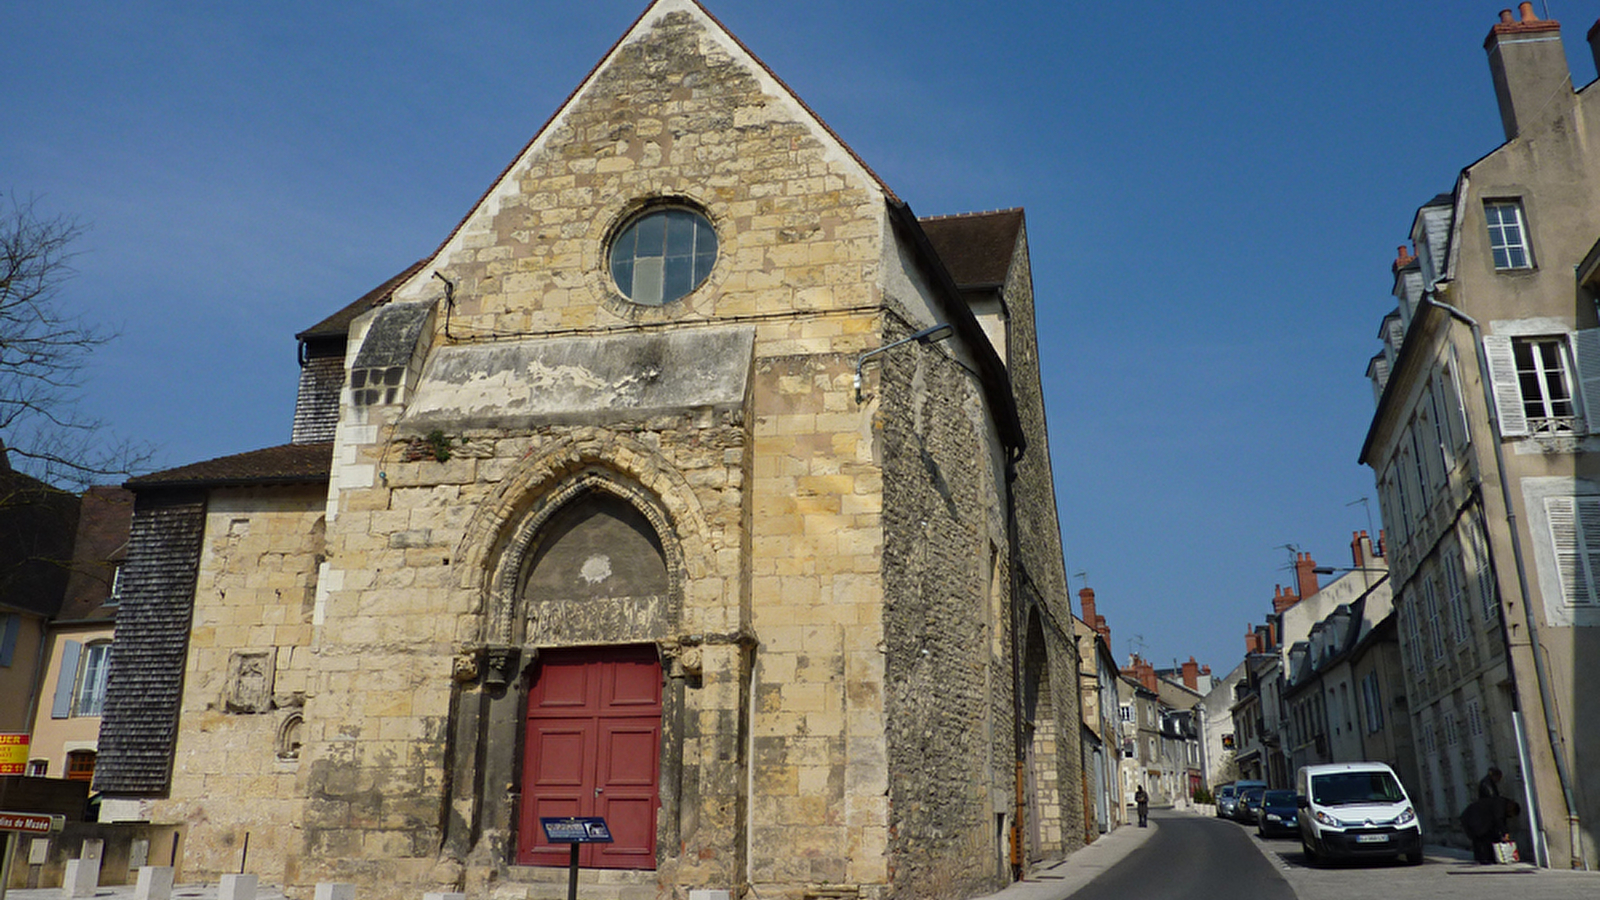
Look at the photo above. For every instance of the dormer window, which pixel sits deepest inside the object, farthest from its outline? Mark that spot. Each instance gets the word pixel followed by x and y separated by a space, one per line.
pixel 1508 235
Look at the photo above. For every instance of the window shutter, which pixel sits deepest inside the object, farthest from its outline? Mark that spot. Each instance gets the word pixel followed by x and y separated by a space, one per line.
pixel 1586 359
pixel 1507 395
pixel 66 676
pixel 8 638
pixel 1574 525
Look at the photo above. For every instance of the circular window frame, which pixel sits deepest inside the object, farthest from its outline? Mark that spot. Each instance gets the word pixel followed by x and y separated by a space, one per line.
pixel 636 212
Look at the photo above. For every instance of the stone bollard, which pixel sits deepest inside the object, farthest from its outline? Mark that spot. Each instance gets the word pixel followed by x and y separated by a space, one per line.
pixel 237 887
pixel 155 883
pixel 335 890
pixel 444 895
pixel 83 874
pixel 709 894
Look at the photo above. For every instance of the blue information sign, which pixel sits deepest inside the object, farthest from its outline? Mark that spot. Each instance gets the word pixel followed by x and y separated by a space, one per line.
pixel 575 830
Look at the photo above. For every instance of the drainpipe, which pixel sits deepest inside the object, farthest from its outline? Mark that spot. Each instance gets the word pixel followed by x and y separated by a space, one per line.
pixel 1546 702
pixel 1018 639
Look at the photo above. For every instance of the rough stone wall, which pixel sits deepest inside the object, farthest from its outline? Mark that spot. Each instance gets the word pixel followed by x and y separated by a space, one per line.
pixel 948 695
pixel 1038 525
pixel 678 112
pixel 246 678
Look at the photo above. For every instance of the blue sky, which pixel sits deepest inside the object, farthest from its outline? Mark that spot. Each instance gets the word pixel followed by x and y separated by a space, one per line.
pixel 1214 194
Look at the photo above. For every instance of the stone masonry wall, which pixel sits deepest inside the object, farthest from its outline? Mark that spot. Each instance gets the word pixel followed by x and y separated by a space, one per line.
pixel 678 113
pixel 948 695
pixel 249 657
pixel 1039 528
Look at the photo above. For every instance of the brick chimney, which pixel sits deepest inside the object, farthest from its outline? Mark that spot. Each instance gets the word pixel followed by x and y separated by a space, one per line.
pixel 1528 65
pixel 1305 574
pixel 1252 641
pixel 1142 671
pixel 1086 603
pixel 1282 598
pixel 1191 675
pixel 1403 255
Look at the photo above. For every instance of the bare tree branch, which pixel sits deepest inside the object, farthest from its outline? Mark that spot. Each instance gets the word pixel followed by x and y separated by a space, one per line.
pixel 43 352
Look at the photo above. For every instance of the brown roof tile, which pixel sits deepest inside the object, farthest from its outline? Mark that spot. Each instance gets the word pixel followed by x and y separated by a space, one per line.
pixel 338 324
pixel 285 464
pixel 976 248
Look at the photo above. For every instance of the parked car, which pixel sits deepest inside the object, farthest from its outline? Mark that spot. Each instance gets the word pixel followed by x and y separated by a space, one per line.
pixel 1249 804
pixel 1226 801
pixel 1276 818
pixel 1356 810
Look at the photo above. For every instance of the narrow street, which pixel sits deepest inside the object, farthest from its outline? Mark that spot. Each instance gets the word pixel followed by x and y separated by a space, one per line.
pixel 1192 856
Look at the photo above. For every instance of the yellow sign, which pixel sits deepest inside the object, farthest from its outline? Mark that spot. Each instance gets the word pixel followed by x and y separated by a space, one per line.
pixel 13 754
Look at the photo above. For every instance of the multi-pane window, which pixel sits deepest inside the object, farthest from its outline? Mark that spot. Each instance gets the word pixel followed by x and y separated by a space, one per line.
pixel 663 255
pixel 81 679
pixel 1430 597
pixel 1543 377
pixel 1372 699
pixel 1575 537
pixel 1457 599
pixel 1508 235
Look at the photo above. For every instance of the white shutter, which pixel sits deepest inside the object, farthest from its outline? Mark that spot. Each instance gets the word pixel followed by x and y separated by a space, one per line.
pixel 1588 549
pixel 1586 359
pixel 1507 394
pixel 1574 526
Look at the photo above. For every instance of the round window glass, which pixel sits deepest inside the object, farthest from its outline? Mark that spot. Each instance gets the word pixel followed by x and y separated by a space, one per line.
pixel 662 255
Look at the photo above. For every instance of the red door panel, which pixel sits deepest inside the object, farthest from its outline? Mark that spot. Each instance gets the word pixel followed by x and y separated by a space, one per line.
pixel 593 747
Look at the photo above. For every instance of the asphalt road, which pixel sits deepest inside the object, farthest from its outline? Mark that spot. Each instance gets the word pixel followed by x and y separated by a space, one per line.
pixel 1192 858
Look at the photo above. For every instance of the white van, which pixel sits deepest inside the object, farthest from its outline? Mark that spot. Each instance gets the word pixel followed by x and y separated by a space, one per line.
pixel 1356 809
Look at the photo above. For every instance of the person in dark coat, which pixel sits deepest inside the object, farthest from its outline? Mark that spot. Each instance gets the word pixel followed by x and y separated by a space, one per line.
pixel 1485 821
pixel 1490 785
pixel 1141 800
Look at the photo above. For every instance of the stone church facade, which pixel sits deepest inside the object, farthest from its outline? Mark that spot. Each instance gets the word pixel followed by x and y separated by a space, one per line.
pixel 627 502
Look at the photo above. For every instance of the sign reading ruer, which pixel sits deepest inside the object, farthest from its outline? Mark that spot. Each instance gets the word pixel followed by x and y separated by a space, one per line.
pixel 31 823
pixel 13 754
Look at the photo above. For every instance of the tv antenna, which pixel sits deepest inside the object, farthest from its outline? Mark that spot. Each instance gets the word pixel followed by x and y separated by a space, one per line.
pixel 1371 532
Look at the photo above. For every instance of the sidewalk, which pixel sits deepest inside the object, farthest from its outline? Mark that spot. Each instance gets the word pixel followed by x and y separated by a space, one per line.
pixel 1062 879
pixel 126 891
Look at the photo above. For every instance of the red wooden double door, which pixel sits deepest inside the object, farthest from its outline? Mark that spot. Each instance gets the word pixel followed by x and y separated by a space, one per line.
pixel 593 748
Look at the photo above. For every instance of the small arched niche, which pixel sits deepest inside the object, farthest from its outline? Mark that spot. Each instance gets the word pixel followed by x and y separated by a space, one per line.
pixel 597 575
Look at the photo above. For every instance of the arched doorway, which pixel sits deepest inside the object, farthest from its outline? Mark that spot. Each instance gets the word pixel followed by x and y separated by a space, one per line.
pixel 596 584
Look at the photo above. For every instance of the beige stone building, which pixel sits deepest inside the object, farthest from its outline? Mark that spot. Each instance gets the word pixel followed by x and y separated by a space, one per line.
pixel 692 482
pixel 1487 462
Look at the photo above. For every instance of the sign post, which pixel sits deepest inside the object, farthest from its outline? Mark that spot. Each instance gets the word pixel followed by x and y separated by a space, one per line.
pixel 15 823
pixel 574 830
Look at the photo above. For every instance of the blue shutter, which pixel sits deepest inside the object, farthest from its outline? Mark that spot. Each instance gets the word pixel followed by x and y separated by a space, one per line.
pixel 66 677
pixel 8 638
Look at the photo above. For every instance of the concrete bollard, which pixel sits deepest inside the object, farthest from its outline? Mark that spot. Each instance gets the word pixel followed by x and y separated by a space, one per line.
pixel 335 890
pixel 83 874
pixel 155 883
pixel 237 887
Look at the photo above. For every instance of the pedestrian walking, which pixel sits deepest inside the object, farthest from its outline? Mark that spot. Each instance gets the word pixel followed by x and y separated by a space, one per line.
pixel 1485 821
pixel 1141 800
pixel 1490 785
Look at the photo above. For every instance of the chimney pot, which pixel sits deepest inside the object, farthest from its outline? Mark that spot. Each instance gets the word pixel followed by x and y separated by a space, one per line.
pixel 1525 8
pixel 1505 16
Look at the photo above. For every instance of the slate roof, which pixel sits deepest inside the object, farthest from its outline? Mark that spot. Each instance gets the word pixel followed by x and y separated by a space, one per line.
pixel 139 725
pixel 284 464
pixel 976 248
